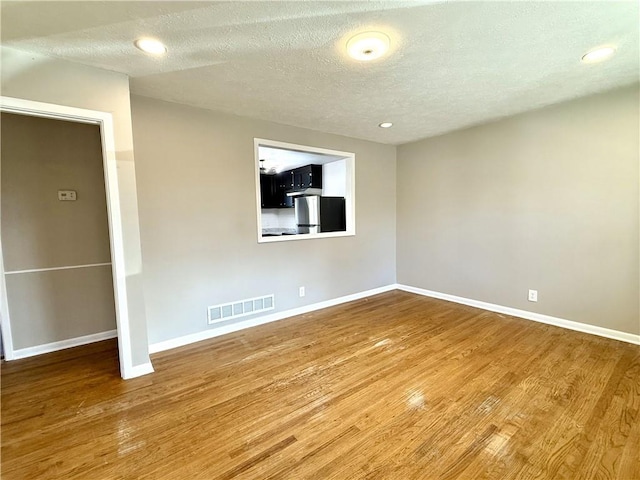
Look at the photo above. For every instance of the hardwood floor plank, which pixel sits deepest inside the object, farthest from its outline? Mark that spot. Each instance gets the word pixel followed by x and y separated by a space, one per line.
pixel 395 386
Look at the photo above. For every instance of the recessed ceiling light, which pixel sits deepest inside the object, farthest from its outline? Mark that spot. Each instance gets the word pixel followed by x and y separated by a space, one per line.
pixel 150 45
pixel 385 125
pixel 598 54
pixel 368 46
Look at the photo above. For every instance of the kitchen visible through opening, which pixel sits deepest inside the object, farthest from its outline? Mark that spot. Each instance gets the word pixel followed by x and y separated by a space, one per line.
pixel 303 192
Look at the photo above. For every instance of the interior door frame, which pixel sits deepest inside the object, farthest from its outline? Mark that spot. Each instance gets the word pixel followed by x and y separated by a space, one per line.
pixel 105 121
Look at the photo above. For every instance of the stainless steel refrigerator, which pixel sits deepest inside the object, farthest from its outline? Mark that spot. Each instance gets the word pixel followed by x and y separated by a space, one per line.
pixel 315 214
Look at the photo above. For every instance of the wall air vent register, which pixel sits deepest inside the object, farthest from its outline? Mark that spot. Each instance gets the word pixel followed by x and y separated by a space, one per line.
pixel 242 308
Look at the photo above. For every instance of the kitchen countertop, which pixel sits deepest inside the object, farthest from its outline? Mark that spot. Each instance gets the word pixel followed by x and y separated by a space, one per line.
pixel 273 232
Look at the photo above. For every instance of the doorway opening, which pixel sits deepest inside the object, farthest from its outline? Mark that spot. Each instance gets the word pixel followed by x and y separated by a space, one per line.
pixel 78 270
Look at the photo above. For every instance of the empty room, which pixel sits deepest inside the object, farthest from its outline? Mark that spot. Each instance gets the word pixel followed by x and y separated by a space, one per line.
pixel 320 240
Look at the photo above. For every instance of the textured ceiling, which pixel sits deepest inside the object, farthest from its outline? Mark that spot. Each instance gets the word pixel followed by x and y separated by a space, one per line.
pixel 452 64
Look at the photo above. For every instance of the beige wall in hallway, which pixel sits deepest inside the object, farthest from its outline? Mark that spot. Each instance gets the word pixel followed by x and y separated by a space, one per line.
pixel 40 156
pixel 546 200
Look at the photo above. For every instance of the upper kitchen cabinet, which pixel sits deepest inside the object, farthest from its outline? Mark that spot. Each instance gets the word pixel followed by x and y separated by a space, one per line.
pixel 303 192
pixel 274 188
pixel 283 185
pixel 268 191
pixel 308 176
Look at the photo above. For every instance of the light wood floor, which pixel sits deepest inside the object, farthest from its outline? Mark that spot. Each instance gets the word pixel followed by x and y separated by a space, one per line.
pixel 395 386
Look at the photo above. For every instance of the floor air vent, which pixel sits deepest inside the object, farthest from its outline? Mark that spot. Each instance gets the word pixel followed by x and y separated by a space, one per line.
pixel 242 308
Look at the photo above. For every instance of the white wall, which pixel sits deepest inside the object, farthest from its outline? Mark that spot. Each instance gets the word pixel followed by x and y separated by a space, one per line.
pixel 334 175
pixel 45 79
pixel 196 186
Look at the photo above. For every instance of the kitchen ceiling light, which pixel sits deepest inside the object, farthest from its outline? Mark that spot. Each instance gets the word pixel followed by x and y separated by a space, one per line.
pixel 368 46
pixel 151 46
pixel 598 54
pixel 385 125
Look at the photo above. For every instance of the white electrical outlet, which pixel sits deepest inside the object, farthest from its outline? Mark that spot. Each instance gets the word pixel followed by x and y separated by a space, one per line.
pixel 301 291
pixel 533 295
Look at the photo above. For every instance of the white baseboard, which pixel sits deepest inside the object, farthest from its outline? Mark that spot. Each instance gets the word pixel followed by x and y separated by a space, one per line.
pixel 216 332
pixel 62 344
pixel 138 371
pixel 536 317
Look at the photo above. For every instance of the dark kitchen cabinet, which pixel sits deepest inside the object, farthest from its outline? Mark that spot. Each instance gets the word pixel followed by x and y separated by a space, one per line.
pixel 268 191
pixel 273 190
pixel 283 185
pixel 309 176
